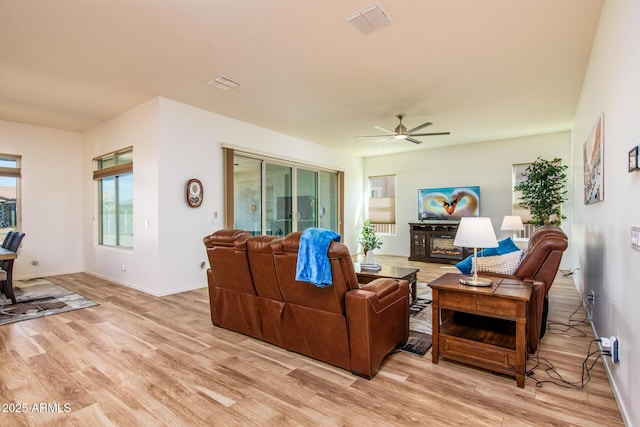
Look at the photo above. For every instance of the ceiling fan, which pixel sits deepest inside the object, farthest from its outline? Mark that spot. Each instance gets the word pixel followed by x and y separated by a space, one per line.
pixel 401 132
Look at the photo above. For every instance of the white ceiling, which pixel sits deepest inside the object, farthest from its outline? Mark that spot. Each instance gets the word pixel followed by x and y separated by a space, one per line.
pixel 481 69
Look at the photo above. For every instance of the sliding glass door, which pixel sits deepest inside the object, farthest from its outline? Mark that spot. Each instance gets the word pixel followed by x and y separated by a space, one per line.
pixel 279 218
pixel 275 198
pixel 328 200
pixel 247 194
pixel 306 209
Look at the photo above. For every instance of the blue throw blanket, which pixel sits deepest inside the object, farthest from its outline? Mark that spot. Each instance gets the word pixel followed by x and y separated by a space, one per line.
pixel 313 264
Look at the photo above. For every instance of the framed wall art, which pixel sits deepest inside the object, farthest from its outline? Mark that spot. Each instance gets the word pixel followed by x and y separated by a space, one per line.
pixel 593 155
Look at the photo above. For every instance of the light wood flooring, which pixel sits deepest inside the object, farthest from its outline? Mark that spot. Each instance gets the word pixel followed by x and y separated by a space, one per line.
pixel 138 360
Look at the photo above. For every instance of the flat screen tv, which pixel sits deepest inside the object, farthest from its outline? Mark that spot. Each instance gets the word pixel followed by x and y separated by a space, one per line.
pixel 448 203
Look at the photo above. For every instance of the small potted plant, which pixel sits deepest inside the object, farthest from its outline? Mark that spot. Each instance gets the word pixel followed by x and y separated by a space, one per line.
pixel 543 191
pixel 369 240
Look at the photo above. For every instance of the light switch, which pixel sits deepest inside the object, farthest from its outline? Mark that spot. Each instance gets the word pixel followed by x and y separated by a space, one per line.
pixel 635 238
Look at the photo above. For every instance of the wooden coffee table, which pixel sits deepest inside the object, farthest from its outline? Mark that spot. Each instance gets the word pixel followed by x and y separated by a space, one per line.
pixel 389 271
pixel 481 326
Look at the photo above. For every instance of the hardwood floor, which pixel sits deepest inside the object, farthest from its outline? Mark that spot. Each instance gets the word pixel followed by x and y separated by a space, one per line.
pixel 138 360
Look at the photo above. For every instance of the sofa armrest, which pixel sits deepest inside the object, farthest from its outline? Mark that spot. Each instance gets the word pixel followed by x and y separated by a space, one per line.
pixel 378 320
pixel 382 287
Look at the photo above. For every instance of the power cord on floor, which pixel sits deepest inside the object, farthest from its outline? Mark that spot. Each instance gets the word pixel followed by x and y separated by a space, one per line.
pixel 570 329
pixel 568 273
pixel 557 379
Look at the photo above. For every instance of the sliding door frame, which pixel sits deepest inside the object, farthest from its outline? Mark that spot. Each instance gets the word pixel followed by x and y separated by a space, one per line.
pixel 228 155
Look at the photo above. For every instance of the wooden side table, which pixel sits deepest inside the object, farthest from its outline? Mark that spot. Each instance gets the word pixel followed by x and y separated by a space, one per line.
pixel 482 326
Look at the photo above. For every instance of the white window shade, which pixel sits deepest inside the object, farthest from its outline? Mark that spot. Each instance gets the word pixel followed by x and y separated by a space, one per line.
pixel 382 210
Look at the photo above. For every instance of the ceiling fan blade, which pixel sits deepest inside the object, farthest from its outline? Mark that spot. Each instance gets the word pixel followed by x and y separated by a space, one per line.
pixel 430 134
pixel 415 141
pixel 424 125
pixel 386 140
pixel 375 136
pixel 385 129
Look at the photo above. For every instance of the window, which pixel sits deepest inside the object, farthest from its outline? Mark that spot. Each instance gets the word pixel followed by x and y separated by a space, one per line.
pixel 382 203
pixel 517 209
pixel 9 194
pixel 114 174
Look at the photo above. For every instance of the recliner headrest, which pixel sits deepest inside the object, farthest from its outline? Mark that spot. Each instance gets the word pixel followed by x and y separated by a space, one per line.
pixel 225 238
pixel 291 242
pixel 261 243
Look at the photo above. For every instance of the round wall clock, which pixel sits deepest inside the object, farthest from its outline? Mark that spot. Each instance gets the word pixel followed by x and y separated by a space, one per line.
pixel 194 193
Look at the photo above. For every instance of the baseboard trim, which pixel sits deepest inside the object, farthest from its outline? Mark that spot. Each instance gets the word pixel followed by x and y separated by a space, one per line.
pixel 608 371
pixel 145 290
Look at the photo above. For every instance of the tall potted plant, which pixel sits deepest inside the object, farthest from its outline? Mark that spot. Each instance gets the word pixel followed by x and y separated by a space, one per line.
pixel 369 240
pixel 543 191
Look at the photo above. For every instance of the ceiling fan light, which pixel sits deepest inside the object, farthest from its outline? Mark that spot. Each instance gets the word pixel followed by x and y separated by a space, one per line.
pixel 400 136
pixel 401 130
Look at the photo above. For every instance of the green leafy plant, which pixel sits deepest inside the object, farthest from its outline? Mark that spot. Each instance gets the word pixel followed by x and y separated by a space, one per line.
pixel 543 191
pixel 368 238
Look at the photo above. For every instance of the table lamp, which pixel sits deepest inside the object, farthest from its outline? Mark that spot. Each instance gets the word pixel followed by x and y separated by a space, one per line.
pixel 475 232
pixel 512 223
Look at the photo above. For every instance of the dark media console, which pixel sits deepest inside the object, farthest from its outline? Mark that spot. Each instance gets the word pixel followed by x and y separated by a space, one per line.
pixel 432 241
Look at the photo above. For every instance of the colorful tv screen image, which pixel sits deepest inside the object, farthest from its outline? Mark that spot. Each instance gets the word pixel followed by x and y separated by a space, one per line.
pixel 448 202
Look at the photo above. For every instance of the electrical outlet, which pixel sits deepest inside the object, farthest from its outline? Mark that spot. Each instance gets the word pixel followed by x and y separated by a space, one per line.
pixel 635 238
pixel 615 356
pixel 611 345
pixel 592 297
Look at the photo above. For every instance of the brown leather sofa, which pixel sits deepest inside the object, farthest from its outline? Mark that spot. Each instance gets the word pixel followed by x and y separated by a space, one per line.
pixel 539 266
pixel 252 290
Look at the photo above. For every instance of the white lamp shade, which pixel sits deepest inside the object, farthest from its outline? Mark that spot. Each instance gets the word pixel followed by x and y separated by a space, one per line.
pixel 512 223
pixel 476 232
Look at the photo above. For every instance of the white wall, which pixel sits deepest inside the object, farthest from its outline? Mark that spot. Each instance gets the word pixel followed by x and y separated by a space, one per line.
pixel 487 164
pixel 137 128
pixel 51 195
pixel 601 232
pixel 173 142
pixel 189 144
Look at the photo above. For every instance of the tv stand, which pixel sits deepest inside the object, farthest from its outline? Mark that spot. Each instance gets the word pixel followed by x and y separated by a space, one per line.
pixel 432 241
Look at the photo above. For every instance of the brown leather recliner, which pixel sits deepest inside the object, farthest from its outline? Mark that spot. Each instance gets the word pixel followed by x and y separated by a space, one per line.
pixel 342 324
pixel 270 302
pixel 232 295
pixel 539 265
pixel 252 290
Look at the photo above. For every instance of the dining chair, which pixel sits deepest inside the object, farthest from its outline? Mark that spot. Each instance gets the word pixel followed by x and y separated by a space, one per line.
pixel 7 266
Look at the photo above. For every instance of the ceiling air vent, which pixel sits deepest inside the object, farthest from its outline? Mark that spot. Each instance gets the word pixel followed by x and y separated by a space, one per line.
pixel 224 83
pixel 369 18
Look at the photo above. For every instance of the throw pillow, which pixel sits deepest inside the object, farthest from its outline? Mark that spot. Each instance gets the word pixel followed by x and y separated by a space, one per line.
pixel 505 246
pixel 504 264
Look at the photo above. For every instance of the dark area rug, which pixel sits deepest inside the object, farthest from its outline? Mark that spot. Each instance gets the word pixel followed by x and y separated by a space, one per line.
pixel 419 341
pixel 38 298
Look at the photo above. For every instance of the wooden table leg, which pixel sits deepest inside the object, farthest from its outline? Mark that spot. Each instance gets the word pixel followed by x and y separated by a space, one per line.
pixel 435 326
pixel 414 291
pixel 521 354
